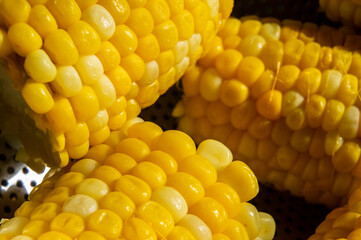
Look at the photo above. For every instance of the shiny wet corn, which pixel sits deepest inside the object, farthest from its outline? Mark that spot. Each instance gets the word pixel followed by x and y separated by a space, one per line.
pixel 143 183
pixel 88 66
pixel 284 97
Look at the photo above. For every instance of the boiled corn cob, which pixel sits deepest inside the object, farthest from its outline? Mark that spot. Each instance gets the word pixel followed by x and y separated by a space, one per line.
pixel 143 183
pixel 343 222
pixel 346 11
pixel 283 96
pixel 74 70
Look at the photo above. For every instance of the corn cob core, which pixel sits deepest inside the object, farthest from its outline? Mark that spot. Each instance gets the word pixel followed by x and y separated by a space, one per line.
pixel 346 11
pixel 343 222
pixel 91 65
pixel 144 183
pixel 284 98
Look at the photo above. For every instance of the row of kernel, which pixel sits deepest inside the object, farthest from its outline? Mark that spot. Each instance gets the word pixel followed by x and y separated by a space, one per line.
pixel 127 166
pixel 346 11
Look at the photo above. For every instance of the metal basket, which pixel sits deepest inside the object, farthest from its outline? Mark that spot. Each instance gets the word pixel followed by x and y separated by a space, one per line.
pixel 295 218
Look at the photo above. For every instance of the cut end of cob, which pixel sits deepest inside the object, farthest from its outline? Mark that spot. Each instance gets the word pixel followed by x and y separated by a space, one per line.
pixel 283 96
pixel 144 183
pixel 85 68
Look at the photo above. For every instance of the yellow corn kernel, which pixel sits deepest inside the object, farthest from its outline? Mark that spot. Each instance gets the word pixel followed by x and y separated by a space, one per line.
pixel 89 68
pixel 290 30
pixel 293 51
pixel 176 143
pixel 45 211
pixel 122 162
pixel 195 48
pixel 341 59
pixel 268 227
pixel 84 166
pixel 136 228
pixel 167 35
pixel 148 48
pixel 172 201
pixel 349 124
pixel 195 106
pixel 107 174
pixel 311 55
pixel 164 161
pixel 67 81
pixel 296 119
pixel 39 66
pixel 179 233
pixel 347 92
pixel 263 84
pixel 81 205
pixel 354 235
pixel 260 128
pixel 61 48
pixel 58 195
pixel 187 185
pixel 165 61
pixel 90 235
pixel 333 113
pixel 346 157
pixel 15 11
pixel 333 142
pixel 133 109
pixel 200 12
pixel 101 20
pixel 134 65
pixel 99 121
pixel 26 208
pixel 235 230
pixel 196 227
pixel 315 109
pixel 124 40
pixel 68 223
pixel 42 20
pixel 272 54
pixel 108 55
pixel 185 24
pixel 135 188
pixel 146 131
pixel 216 153
pixel 150 76
pixel 119 203
pixel 199 167
pixel 157 216
pixel 133 147
pixel 325 58
pixel 215 49
pixel 24 39
pixel 290 101
pixel 36 2
pixel 121 80
pixel 116 122
pixel 249 217
pixel 217 113
pixel 37 96
pixel 65 12
pixel 85 38
pixel 232 42
pixel 61 117
pixel 330 83
pixel 287 77
pixel 270 31
pixel 236 174
pixel 225 195
pixel 309 82
pixel 79 151
pixel 242 115
pixel 70 180
pixel 249 70
pixel 105 91
pixel 227 62
pixel 150 173
pixel 118 106
pixel 13 227
pixel 35 228
pixel 106 223
pixel 148 94
pixel 54 235
pixel 119 9
pixel 270 104
pixel 231 27
pixel 92 187
pixel 210 84
pixel 140 21
pixel 266 149
pixel 85 105
pixel 212 213
pixel 252 45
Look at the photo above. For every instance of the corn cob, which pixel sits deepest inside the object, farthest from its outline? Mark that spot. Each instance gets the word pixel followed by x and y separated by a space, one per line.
pixel 343 222
pixel 284 98
pixel 143 183
pixel 88 66
pixel 346 11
